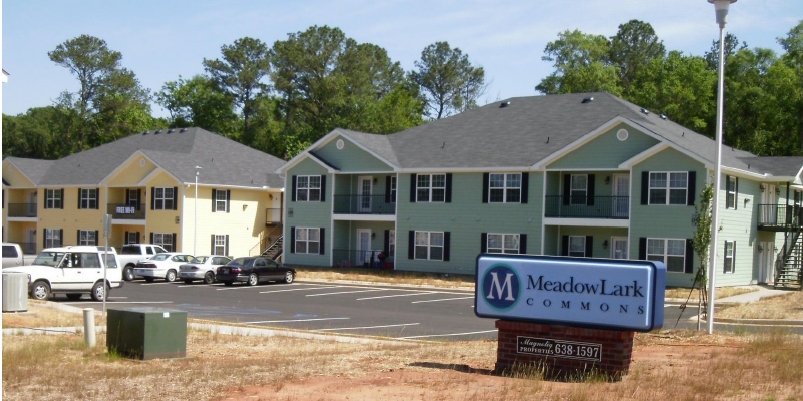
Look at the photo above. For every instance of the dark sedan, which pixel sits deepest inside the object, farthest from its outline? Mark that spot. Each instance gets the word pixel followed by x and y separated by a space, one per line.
pixel 254 270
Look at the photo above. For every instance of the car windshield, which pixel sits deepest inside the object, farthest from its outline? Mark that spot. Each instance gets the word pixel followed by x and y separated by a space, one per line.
pixel 199 259
pixel 161 256
pixel 130 250
pixel 51 259
pixel 238 262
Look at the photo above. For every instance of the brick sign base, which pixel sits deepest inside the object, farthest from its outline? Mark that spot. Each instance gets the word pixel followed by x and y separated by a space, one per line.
pixel 615 349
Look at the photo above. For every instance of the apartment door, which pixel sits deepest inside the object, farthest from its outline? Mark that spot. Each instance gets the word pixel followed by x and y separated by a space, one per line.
pixel 30 243
pixel 766 273
pixel 364 195
pixel 363 247
pixel 621 193
pixel 618 248
pixel 32 205
pixel 770 210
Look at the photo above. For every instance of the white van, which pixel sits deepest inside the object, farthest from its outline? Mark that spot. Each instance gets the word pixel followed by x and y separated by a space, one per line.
pixel 12 255
pixel 74 271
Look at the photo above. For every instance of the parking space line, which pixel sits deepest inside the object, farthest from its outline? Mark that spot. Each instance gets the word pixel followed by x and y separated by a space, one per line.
pixel 118 302
pixel 297 320
pixel 159 283
pixel 300 289
pixel 253 287
pixel 345 292
pixel 397 295
pixel 370 327
pixel 448 335
pixel 439 300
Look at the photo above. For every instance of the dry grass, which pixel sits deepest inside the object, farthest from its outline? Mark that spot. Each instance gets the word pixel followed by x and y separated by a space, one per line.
pixel 692 295
pixel 40 316
pixel 386 277
pixel 787 307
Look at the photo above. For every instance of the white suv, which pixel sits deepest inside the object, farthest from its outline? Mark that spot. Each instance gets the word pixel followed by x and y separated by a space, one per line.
pixel 72 270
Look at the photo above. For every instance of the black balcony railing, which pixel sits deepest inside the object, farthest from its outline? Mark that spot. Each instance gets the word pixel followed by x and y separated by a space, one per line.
pixel 374 259
pixel 600 207
pixel 773 216
pixel 22 210
pixel 273 216
pixel 126 211
pixel 363 204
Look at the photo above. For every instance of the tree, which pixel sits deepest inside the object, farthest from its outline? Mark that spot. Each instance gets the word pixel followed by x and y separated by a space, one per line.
pixel 582 64
pixel 731 47
pixel 793 45
pixel 632 48
pixel 240 74
pixel 196 102
pixel 110 102
pixel 449 81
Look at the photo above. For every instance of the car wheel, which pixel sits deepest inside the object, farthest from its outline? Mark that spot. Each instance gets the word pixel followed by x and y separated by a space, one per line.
pixel 187 281
pixel 228 283
pixel 99 291
pixel 148 279
pixel 171 276
pixel 40 290
pixel 209 278
pixel 253 279
pixel 128 274
pixel 288 277
pixel 73 297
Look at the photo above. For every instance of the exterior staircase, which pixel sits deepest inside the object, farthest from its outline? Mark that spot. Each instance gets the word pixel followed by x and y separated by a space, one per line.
pixel 789 262
pixel 275 249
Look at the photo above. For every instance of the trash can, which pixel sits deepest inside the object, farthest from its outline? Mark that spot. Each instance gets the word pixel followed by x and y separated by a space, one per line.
pixel 15 292
pixel 147 333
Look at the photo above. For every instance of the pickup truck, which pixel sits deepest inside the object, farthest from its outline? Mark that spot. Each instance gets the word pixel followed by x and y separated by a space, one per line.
pixel 132 253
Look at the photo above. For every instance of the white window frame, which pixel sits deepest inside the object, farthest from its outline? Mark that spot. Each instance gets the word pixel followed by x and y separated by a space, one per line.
pixel 308 237
pixel 665 255
pixel 164 240
pixel 393 191
pixel 510 193
pixel 426 191
pixel 426 242
pixel 161 198
pixel 88 198
pixel 668 188
pixel 576 187
pixel 505 242
pixel 220 204
pixel 729 256
pixel 53 199
pixel 52 238
pixel 132 238
pixel 220 243
pixel 308 188
pixel 392 243
pixel 577 246
pixel 730 192
pixel 87 237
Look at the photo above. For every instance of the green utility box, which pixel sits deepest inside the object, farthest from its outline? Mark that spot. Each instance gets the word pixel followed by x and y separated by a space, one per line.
pixel 147 333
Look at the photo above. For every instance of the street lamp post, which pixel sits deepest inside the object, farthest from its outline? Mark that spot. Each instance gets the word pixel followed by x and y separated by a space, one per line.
pixel 195 224
pixel 721 8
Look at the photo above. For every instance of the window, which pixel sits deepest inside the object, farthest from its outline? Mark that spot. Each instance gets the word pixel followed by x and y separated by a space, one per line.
pixel 730 255
pixel 88 198
pixel 428 245
pixel 392 190
pixel 308 188
pixel 731 185
pixel 392 243
pixel 577 246
pixel 431 188
pixel 163 198
pixel 163 240
pixel 54 199
pixel 221 200
pixel 668 188
pixel 220 244
pixel 672 252
pixel 131 237
pixel 504 187
pixel 503 243
pixel 308 240
pixel 87 237
pixel 53 238
pixel 578 192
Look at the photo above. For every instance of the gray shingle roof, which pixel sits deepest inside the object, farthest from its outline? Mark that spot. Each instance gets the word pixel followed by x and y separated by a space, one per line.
pixel 776 165
pixel 34 169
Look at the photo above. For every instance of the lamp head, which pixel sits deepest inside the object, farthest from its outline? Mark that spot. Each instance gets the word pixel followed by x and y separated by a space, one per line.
pixel 721 8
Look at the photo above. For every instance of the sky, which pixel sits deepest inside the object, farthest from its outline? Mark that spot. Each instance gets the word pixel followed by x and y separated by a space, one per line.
pixel 162 40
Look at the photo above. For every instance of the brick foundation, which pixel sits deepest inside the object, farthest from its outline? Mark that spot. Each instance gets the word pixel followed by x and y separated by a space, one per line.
pixel 617 349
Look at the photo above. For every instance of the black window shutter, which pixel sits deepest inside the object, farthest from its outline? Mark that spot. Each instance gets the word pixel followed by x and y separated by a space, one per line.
pixel 139 198
pixel 212 246
pixel 642 248
pixel 137 237
pixel 386 244
pixel 61 237
pixel 44 238
pixel 228 200
pixel 645 187
pixel 61 196
pixel 322 239
pixel 689 268
pixel 79 198
pixel 151 239
pixel 125 238
pixel 486 182
pixel 214 200
pixel 97 198
pixel 153 199
pixel 483 242
pixel 175 199
pixel 564 246
pixel 525 187
pixel 175 245
pixel 446 246
pixel 448 187
pixel 411 245
pixel 692 188
pixel 589 246
pixel 96 238
pixel 295 178
pixel 127 197
pixel 226 247
pixel 736 197
pixel 78 237
pixel 567 187
pixel 323 189
pixel 590 190
pixel 293 235
pixel 413 182
pixel 522 244
pixel 387 190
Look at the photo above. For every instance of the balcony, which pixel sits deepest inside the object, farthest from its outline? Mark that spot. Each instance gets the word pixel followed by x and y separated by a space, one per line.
pixel 363 204
pixel 22 210
pixel 779 218
pixel 375 259
pixel 600 207
pixel 273 216
pixel 126 211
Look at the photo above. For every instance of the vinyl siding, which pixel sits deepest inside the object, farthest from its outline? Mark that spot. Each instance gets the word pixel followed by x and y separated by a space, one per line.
pixel 131 173
pixel 739 225
pixel 616 151
pixel 351 158
pixel 308 215
pixel 164 221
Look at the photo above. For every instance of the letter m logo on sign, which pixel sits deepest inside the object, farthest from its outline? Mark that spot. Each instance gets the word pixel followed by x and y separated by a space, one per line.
pixel 501 287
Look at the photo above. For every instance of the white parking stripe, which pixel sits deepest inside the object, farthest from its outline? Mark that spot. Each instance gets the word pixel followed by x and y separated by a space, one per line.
pixel 300 289
pixel 238 287
pixel 159 283
pixel 448 335
pixel 299 320
pixel 345 292
pixel 439 300
pixel 370 327
pixel 119 302
pixel 398 295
